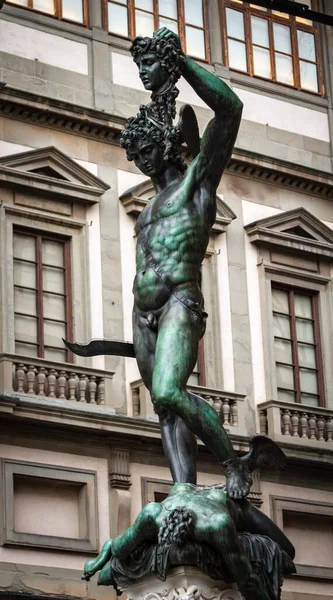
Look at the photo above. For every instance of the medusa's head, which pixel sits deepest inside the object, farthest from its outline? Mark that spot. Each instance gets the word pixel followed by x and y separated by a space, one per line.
pixel 159 61
pixel 151 145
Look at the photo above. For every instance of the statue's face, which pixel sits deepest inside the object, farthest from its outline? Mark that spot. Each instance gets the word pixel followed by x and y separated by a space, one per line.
pixel 148 157
pixel 152 74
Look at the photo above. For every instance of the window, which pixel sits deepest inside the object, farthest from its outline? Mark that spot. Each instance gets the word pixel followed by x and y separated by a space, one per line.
pixel 297 347
pixel 70 10
pixel 41 295
pixel 129 18
pixel 273 45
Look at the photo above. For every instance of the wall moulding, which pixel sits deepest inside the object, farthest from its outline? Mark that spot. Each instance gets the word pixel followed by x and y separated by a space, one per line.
pixel 107 128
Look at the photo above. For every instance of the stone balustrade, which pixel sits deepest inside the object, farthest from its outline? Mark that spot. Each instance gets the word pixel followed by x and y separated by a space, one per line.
pixel 296 421
pixel 57 381
pixel 225 403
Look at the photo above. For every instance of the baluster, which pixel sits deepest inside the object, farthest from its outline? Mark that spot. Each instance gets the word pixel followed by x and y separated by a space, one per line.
pixel 312 426
pixel 62 385
pixel 20 370
pixel 31 377
pixel 72 386
pixel 294 423
pixel 82 387
pixel 329 429
pixel 286 421
pixel 52 382
pixel 101 392
pixel 208 399
pixel 41 379
pixel 234 413
pixel 92 387
pixel 217 405
pixel 304 424
pixel 263 422
pixel 321 427
pixel 225 411
pixel 136 401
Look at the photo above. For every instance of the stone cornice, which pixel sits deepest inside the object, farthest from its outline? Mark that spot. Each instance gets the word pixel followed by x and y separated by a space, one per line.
pixel 77 120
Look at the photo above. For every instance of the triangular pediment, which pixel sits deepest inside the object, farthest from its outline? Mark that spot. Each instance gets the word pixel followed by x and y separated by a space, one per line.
pixel 135 199
pixel 51 162
pixel 296 229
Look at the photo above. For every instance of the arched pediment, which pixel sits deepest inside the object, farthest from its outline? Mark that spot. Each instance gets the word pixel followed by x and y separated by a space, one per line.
pixel 50 171
pixel 136 198
pixel 293 230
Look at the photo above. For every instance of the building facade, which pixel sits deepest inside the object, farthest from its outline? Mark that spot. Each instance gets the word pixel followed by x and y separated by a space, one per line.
pixel 80 447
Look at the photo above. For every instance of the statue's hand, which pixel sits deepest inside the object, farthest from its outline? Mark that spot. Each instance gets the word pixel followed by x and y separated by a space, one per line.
pixel 167 34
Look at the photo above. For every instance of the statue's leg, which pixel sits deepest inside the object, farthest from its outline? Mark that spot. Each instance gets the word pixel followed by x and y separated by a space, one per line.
pixel 255 521
pixel 179 443
pixel 145 528
pixel 222 535
pixel 175 356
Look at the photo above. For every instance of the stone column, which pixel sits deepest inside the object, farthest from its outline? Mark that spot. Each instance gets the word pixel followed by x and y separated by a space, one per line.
pixel 183 583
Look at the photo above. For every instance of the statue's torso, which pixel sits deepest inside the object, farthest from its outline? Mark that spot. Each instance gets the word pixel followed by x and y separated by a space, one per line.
pixel 173 232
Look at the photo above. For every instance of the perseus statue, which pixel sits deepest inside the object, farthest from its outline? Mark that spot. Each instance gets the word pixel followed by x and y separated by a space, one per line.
pixel 172 236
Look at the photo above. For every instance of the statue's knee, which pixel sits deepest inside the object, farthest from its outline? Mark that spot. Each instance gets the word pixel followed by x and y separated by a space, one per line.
pixel 151 511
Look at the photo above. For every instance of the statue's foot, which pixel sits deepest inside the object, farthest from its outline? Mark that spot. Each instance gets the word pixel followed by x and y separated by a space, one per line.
pixel 96 564
pixel 238 476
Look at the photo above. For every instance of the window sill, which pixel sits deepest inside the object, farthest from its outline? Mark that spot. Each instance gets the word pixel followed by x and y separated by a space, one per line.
pixel 270 88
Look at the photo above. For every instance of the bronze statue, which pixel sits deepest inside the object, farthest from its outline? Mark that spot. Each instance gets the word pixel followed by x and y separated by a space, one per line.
pixel 168 321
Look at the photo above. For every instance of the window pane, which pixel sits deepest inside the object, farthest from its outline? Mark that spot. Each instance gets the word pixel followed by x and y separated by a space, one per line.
pixel 237 55
pixel 195 42
pixel 168 8
pixel 20 2
pixel 53 280
pixel 284 69
pixel 303 306
pixel 282 351
pixel 56 355
pixel 300 19
pixel 44 5
pixel 25 302
pixel 144 23
pixel 260 32
pixel 54 307
pixel 26 329
pixel 282 39
pixel 24 274
pixel 306 356
pixel 172 25
pixel 280 301
pixel 194 12
pixel 280 14
pixel 145 4
pixel 117 19
pixel 122 2
pixel 53 253
pixel 235 24
pixel 53 333
pixel 285 377
pixel 309 400
pixel 26 349
pixel 73 10
pixel 281 326
pixel 262 62
pixel 286 396
pixel 309 78
pixel 24 247
pixel 304 331
pixel 308 381
pixel 258 7
pixel 306 45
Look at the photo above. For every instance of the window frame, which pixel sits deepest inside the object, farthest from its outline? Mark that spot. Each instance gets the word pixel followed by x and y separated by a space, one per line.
pixel 66 240
pixel 295 26
pixel 181 22
pixel 317 340
pixel 57 12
